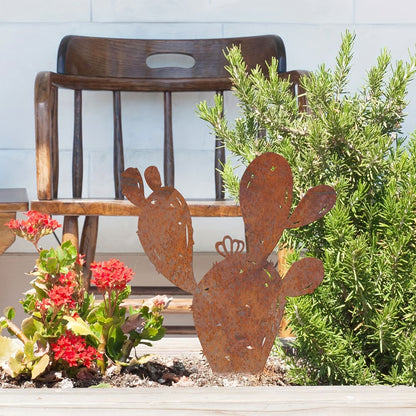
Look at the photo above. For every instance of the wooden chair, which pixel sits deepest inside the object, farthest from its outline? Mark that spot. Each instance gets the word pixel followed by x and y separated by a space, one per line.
pixel 87 63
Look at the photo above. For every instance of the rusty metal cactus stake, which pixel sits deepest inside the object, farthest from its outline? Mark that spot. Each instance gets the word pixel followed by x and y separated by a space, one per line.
pixel 238 305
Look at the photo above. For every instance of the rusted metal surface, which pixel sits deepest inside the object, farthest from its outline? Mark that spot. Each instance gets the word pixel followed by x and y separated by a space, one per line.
pixel 238 305
pixel 164 227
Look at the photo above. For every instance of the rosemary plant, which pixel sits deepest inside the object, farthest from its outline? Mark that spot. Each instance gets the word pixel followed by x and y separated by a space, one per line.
pixel 359 326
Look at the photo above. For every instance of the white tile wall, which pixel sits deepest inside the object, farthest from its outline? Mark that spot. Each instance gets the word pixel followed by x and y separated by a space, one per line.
pixel 30 32
pixel 45 11
pixel 307 11
pixel 385 13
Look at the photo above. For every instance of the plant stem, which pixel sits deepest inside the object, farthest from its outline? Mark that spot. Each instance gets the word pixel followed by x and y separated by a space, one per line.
pixel 101 349
pixel 126 350
pixel 16 330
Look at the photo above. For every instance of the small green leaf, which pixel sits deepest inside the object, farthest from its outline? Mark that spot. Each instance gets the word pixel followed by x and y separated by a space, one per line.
pixel 79 327
pixel 29 302
pixel 115 344
pixel 69 248
pixel 153 334
pixel 28 350
pixel 30 326
pixel 40 366
pixel 10 313
pixel 40 288
pixel 15 366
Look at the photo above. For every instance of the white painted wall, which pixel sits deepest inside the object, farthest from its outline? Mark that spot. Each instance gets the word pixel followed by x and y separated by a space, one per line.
pixel 30 31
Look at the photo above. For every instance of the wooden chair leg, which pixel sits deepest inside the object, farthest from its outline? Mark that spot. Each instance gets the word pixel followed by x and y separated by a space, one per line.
pixel 70 230
pixel 89 245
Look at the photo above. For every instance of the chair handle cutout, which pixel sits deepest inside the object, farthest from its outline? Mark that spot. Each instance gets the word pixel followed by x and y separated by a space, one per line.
pixel 170 60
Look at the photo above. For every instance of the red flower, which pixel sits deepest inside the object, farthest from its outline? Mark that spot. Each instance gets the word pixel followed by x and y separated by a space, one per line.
pixel 74 351
pixel 80 259
pixel 62 295
pixel 111 275
pixel 68 279
pixel 36 226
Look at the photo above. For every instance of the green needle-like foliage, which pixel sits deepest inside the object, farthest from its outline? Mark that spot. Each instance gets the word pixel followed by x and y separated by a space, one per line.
pixel 359 326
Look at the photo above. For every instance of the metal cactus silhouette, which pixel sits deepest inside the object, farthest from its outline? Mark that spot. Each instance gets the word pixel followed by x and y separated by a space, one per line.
pixel 238 305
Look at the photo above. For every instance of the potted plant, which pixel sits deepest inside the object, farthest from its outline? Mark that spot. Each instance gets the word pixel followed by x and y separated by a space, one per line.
pixel 67 331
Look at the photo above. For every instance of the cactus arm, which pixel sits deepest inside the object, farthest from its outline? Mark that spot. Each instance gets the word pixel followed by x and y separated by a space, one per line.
pixel 314 205
pixel 132 186
pixel 152 176
pixel 303 277
pixel 165 232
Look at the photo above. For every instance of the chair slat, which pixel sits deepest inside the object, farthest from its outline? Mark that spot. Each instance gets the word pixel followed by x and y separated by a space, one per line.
pixel 77 154
pixel 168 157
pixel 118 145
pixel 219 163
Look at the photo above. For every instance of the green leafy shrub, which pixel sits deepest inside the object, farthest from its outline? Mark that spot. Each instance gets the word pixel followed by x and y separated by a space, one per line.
pixel 358 327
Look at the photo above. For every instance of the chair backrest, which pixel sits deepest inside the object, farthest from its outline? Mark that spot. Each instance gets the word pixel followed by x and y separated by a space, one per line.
pixel 132 65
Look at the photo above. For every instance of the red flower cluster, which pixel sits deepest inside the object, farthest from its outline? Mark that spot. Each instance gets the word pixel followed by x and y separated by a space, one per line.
pixel 60 294
pixel 74 351
pixel 68 279
pixel 111 275
pixel 36 226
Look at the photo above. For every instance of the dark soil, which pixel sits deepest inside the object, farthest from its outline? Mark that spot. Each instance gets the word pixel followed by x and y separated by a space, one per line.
pixel 155 371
